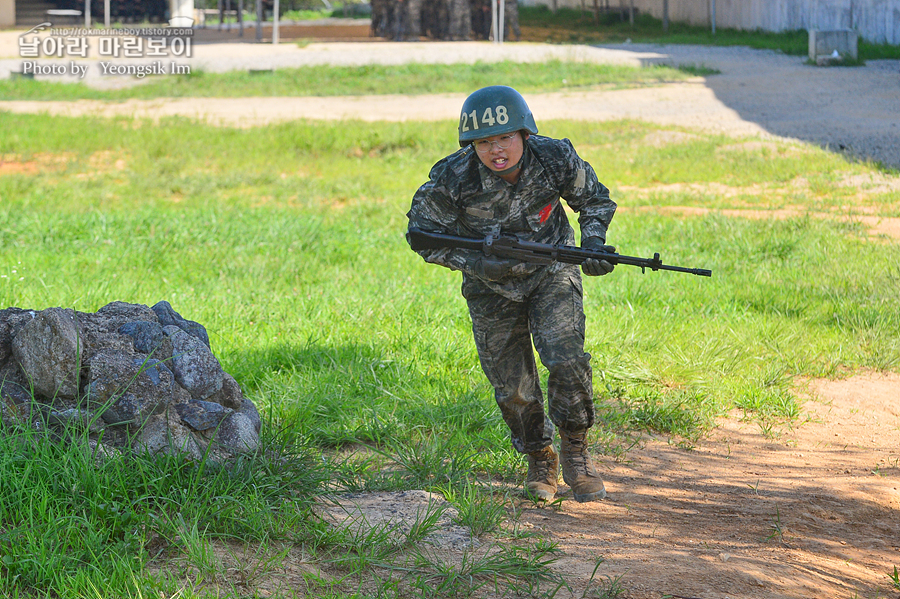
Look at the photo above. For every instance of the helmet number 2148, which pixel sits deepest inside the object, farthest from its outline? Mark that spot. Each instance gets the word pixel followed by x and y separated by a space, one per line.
pixel 497 116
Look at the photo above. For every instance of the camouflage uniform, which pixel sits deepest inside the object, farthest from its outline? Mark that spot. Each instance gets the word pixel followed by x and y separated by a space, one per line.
pixel 414 20
pixel 380 26
pixel 481 19
pixel 511 18
pixel 463 197
pixel 460 16
pixel 399 20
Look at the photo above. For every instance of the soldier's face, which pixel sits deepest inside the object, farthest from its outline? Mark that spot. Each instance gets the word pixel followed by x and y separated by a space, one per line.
pixel 495 156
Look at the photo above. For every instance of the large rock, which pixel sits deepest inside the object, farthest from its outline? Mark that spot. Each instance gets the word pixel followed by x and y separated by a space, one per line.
pixel 202 415
pixel 165 434
pixel 127 377
pixel 97 329
pixel 195 367
pixel 48 349
pixel 11 321
pixel 127 389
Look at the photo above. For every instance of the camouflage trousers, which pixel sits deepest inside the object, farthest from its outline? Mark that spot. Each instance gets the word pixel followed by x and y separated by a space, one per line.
pixel 553 316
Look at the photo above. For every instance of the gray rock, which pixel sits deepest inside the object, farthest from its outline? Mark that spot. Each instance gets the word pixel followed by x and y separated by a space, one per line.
pixel 249 410
pixel 118 313
pixel 14 387
pixel 202 415
pixel 48 349
pixel 99 330
pixel 238 433
pixel 11 320
pixel 148 338
pixel 147 372
pixel 129 389
pixel 195 367
pixel 100 452
pixel 165 434
pixel 75 419
pixel 229 395
pixel 169 317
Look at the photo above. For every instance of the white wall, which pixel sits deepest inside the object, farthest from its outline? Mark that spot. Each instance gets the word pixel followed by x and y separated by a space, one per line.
pixel 875 20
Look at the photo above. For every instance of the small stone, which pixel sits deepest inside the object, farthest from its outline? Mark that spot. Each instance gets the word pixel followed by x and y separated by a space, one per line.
pixel 148 338
pixel 169 317
pixel 195 367
pixel 128 388
pixel 229 395
pixel 238 433
pixel 76 419
pixel 202 415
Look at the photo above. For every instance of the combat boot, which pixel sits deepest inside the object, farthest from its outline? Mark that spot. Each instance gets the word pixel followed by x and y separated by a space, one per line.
pixel 543 472
pixel 578 472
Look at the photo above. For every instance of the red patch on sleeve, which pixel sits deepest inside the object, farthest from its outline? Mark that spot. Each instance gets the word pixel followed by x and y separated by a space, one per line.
pixel 545 213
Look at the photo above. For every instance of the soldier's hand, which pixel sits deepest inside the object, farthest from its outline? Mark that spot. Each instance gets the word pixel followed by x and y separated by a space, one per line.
pixel 492 269
pixel 594 267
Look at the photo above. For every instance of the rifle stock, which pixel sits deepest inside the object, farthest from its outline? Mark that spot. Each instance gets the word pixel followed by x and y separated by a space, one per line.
pixel 537 253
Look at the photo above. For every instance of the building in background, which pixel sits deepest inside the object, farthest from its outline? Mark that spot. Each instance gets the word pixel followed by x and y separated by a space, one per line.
pixel 28 13
pixel 874 20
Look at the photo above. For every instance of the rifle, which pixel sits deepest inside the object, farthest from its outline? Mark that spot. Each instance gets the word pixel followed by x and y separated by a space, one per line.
pixel 508 246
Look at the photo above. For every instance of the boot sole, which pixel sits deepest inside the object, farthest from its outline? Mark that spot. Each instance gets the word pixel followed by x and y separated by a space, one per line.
pixel 539 494
pixel 586 497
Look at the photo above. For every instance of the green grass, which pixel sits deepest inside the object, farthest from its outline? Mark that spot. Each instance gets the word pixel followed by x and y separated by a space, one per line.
pixel 568 25
pixel 413 78
pixel 72 522
pixel 286 242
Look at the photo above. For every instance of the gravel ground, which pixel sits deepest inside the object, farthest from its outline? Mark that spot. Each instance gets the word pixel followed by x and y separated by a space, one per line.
pixel 851 110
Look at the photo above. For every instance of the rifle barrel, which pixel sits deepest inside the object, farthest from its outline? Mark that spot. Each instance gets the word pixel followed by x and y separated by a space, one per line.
pixel 539 253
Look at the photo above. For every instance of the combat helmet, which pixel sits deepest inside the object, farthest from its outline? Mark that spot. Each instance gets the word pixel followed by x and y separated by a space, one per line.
pixel 494 110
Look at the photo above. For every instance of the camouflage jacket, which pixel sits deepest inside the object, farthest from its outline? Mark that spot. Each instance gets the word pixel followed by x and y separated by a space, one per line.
pixel 464 197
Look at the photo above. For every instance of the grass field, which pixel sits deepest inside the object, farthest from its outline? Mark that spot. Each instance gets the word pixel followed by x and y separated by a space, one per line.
pixel 286 242
pixel 412 78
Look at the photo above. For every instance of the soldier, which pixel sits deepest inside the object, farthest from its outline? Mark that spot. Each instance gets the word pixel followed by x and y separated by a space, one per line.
pixel 511 16
pixel 399 20
pixel 460 17
pixel 380 18
pixel 506 179
pixel 481 19
pixel 413 19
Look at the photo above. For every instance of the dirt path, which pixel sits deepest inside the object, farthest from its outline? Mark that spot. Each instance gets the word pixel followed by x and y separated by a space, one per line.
pixel 757 92
pixel 685 104
pixel 810 512
pixel 814 513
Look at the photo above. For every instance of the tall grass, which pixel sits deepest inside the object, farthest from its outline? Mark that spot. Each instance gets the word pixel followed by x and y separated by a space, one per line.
pixel 71 520
pixel 286 242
